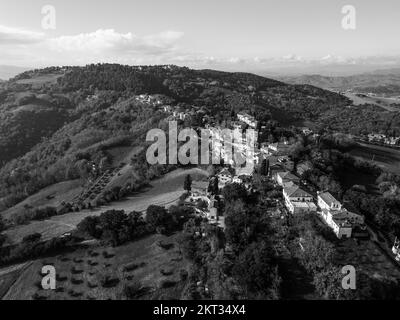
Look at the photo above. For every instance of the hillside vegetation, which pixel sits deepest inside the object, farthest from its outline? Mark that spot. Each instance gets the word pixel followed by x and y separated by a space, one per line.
pixel 57 122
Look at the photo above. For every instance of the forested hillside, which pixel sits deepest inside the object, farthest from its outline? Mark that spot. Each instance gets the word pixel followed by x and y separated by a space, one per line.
pixel 55 122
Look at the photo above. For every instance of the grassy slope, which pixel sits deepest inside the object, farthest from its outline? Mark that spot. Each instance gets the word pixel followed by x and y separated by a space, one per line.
pixel 144 251
pixel 164 192
pixel 63 191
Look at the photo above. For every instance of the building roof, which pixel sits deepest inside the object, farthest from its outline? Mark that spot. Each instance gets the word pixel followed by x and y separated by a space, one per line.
pixel 200 185
pixel 304 205
pixel 296 191
pixel 225 172
pixel 328 198
pixel 341 220
pixel 288 176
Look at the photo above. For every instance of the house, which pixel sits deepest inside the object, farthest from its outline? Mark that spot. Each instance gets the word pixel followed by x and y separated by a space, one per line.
pixel 396 249
pixel 376 137
pixel 392 140
pixel 297 200
pixel 283 177
pixel 327 201
pixel 200 187
pixel 339 223
pixel 225 176
pixel 167 108
pixel 340 219
pixel 286 162
pixel 281 148
pixel 248 119
pixel 212 215
pixel 306 131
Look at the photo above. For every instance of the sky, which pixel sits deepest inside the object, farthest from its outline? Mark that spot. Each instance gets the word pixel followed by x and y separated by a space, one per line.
pixel 222 34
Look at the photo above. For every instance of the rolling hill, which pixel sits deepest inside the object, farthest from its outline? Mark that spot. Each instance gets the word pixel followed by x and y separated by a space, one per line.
pixel 380 82
pixel 57 122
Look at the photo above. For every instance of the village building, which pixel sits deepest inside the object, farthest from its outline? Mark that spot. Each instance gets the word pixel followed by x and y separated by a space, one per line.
pixel 286 176
pixel 297 200
pixel 248 119
pixel 340 219
pixel 200 188
pixel 327 201
pixel 224 177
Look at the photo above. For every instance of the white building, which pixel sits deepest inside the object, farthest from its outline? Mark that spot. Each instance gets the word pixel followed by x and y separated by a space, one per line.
pixel 284 177
pixel 328 202
pixel 337 217
pixel 297 200
pixel 248 119
pixel 339 223
pixel 224 177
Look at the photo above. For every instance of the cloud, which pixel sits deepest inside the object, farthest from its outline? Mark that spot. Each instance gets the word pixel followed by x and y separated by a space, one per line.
pixel 108 41
pixel 15 36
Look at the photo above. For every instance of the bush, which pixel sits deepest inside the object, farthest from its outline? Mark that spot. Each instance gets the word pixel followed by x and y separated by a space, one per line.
pixel 135 290
pixel 167 284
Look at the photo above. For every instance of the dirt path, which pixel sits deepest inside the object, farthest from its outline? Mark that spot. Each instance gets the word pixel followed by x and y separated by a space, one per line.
pixel 163 192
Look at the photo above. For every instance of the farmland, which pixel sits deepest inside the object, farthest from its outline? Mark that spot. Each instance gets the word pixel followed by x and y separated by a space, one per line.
pixel 385 158
pixel 150 267
pixel 163 192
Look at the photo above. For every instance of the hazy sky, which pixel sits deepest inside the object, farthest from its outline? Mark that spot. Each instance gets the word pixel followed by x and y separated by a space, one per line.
pixel 230 33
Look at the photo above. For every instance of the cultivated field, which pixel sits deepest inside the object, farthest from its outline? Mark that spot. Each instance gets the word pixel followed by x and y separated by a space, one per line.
pixel 384 103
pixel 149 269
pixel 163 192
pixel 386 158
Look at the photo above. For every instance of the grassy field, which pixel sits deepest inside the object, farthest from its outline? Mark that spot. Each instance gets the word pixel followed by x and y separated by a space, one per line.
pixel 382 102
pixel 102 273
pixel 41 80
pixel 163 192
pixel 50 196
pixel 385 158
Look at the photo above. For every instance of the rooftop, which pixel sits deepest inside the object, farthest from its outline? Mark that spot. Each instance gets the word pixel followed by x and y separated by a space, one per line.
pixel 328 198
pixel 296 191
pixel 287 175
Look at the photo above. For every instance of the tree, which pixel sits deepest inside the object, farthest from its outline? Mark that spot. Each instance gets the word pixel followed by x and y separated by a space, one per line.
pixel 213 187
pixel 34 237
pixel 233 192
pixel 160 219
pixel 187 185
pixel 255 271
pixel 2 224
pixel 264 167
pixel 3 239
pixel 90 226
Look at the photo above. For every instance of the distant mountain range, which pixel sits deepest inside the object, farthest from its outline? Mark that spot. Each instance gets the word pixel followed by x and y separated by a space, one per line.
pixel 385 82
